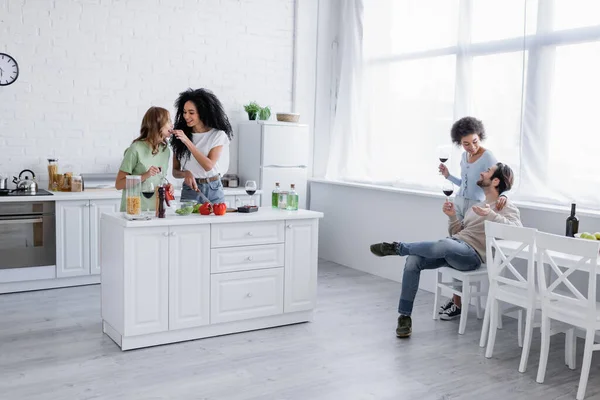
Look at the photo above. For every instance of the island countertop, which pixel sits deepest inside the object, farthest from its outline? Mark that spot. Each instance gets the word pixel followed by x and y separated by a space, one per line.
pixel 263 214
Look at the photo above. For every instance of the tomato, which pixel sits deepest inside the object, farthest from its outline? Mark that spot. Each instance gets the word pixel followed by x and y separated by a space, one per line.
pixel 220 208
pixel 205 209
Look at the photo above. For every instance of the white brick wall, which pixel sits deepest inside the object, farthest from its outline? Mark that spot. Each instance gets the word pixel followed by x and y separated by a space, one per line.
pixel 89 69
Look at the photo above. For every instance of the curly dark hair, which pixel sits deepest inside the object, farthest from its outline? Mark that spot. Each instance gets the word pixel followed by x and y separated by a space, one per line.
pixel 506 177
pixel 210 112
pixel 467 126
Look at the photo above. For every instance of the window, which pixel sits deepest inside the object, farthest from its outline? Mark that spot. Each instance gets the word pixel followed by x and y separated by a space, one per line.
pixel 528 68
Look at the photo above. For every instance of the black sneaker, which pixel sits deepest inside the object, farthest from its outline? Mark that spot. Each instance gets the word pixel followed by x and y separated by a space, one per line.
pixel 451 313
pixel 384 249
pixel 445 306
pixel 404 328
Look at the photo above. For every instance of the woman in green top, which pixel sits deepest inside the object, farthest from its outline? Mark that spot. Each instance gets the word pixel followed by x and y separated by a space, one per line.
pixel 149 154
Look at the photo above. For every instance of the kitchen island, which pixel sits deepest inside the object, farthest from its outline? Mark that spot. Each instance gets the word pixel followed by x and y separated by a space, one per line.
pixel 189 277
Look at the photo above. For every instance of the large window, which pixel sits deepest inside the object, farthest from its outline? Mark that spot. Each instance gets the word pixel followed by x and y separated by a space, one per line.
pixel 530 69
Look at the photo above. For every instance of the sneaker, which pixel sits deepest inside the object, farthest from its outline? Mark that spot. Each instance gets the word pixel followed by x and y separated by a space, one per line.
pixel 446 306
pixel 450 313
pixel 384 249
pixel 404 328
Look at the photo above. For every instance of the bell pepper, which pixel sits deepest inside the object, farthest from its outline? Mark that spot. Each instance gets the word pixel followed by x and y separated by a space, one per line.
pixel 205 209
pixel 220 209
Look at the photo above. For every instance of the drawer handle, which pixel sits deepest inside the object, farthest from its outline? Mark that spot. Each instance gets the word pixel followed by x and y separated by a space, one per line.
pixel 289 226
pixel 249 258
pixel 249 295
pixel 250 233
pixel 173 233
pixel 165 234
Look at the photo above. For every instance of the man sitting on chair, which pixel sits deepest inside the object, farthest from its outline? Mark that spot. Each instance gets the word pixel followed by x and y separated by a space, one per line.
pixel 464 250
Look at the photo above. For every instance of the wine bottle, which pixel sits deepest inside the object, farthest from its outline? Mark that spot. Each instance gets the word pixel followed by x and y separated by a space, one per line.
pixel 572 222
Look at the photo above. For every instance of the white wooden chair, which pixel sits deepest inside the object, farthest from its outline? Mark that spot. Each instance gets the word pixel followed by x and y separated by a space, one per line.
pixel 508 285
pixel 564 256
pixel 462 284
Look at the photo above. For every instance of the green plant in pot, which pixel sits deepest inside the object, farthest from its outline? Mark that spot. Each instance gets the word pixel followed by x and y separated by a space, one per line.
pixel 256 112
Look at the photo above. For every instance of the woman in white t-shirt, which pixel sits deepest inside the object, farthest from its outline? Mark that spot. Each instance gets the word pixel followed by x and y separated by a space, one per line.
pixel 201 145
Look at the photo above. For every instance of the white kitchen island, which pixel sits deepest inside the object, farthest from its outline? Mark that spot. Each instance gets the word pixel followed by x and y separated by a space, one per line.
pixel 189 277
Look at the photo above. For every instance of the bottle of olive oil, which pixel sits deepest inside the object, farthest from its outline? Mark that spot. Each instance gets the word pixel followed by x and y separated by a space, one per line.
pixel 275 196
pixel 292 198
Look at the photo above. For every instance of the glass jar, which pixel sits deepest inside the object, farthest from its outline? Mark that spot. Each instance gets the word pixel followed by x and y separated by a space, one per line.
pixel 133 194
pixel 53 174
pixel 76 183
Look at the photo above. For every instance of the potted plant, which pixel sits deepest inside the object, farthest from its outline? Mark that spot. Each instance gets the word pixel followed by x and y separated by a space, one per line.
pixel 256 112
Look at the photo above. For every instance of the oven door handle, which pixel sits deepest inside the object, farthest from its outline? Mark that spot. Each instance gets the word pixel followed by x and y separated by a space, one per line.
pixel 21 221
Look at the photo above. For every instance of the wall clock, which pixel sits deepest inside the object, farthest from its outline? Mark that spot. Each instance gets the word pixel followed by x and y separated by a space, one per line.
pixel 9 69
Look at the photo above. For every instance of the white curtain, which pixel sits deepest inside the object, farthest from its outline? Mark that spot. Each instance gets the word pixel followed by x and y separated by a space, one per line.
pixel 527 68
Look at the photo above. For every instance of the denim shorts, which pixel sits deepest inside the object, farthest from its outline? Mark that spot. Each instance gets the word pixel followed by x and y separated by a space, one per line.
pixel 212 190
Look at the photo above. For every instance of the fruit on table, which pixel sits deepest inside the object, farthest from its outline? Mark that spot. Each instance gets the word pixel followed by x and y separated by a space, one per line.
pixel 205 209
pixel 220 208
pixel 597 235
pixel 587 235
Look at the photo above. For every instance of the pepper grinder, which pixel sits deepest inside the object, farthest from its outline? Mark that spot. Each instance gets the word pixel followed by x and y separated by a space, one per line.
pixel 162 199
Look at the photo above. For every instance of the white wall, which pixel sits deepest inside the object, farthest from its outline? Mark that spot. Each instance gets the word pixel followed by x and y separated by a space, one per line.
pixel 90 69
pixel 357 217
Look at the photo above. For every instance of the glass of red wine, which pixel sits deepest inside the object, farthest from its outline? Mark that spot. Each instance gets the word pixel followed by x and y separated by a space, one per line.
pixel 251 189
pixel 444 154
pixel 448 189
pixel 148 191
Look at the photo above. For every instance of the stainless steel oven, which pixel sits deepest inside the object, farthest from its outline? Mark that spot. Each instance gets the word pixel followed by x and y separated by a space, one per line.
pixel 27 234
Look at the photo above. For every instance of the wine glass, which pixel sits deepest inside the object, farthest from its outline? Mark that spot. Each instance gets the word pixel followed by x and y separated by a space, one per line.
pixel 444 154
pixel 251 189
pixel 448 189
pixel 148 189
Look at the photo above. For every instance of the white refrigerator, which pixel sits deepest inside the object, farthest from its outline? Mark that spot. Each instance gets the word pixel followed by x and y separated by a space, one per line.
pixel 272 152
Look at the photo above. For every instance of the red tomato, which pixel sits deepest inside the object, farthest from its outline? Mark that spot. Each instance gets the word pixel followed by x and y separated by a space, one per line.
pixel 220 208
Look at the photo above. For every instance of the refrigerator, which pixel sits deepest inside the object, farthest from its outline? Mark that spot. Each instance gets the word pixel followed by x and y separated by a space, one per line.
pixel 270 152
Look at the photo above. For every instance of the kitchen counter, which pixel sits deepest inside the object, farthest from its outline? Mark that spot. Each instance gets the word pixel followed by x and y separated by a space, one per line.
pixel 98 194
pixel 190 277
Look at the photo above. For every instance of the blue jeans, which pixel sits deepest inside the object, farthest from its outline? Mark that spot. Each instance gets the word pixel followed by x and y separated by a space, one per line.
pixel 211 190
pixel 449 252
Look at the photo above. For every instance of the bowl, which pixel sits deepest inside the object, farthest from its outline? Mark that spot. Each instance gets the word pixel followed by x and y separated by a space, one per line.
pixel 288 117
pixel 185 208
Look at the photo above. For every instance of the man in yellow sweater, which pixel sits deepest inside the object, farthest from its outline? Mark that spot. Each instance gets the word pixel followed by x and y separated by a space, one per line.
pixel 464 250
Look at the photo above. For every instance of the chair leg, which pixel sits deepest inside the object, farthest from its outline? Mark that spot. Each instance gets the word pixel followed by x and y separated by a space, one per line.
pixel 438 293
pixel 529 315
pixel 478 300
pixel 485 328
pixel 520 328
pixel 586 363
pixel 570 348
pixel 544 349
pixel 466 301
pixel 493 328
pixel 499 316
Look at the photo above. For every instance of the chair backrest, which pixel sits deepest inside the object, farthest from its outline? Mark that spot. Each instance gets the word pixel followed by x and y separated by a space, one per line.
pixel 564 256
pixel 504 243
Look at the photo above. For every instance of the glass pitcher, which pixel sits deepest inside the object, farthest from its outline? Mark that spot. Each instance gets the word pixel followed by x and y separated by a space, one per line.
pixel 133 195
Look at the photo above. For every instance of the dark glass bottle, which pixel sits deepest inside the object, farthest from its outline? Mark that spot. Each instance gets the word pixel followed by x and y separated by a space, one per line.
pixel 572 222
pixel 162 198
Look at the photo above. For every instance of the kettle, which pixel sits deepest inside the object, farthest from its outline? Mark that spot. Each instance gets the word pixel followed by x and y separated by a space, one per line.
pixel 25 182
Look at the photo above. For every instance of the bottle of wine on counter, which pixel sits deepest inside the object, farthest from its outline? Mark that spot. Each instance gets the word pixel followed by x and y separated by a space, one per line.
pixel 275 196
pixel 292 198
pixel 572 222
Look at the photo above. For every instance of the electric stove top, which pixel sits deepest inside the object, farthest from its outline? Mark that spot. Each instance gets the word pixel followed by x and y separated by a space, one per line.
pixel 14 192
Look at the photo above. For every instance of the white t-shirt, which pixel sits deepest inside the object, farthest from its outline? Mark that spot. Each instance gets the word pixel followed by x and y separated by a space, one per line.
pixel 205 142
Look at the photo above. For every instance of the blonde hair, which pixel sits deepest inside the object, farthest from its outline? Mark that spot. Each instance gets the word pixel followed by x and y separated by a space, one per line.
pixel 153 121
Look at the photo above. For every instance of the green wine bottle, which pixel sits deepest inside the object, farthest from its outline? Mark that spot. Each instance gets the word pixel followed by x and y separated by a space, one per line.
pixel 275 196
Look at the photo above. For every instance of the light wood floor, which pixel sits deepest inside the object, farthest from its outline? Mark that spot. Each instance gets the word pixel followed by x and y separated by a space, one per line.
pixel 51 347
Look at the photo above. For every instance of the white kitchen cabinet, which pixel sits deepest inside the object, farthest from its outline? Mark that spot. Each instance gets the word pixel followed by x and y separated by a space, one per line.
pixel 97 207
pixel 189 276
pixel 301 243
pixel 72 238
pixel 77 235
pixel 184 278
pixel 146 275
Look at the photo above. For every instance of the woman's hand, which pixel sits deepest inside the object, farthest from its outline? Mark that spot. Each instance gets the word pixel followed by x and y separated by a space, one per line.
pixel 444 170
pixel 179 134
pixel 501 203
pixel 150 173
pixel 482 211
pixel 189 180
pixel 449 209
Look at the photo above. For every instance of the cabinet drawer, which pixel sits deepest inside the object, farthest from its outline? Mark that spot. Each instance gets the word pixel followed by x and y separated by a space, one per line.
pixel 246 258
pixel 245 295
pixel 247 233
